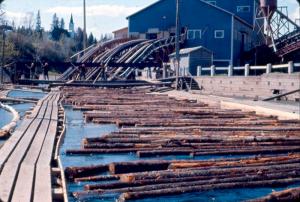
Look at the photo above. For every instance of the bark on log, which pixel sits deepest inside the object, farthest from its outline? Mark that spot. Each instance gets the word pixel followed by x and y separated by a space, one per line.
pixel 75 172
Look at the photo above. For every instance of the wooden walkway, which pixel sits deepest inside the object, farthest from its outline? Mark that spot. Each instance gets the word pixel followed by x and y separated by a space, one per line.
pixel 25 159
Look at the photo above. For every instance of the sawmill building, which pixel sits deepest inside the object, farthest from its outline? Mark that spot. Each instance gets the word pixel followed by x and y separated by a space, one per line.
pixel 225 27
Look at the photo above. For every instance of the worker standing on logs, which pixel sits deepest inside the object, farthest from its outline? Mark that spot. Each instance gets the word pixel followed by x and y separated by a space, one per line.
pixel 82 72
pixel 46 71
pixel 32 70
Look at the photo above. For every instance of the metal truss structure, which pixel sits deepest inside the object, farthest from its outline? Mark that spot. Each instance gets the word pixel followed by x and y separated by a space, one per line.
pixel 278 31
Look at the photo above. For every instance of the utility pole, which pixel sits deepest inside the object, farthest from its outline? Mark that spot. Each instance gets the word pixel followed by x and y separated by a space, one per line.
pixel 177 45
pixel 3 28
pixel 84 26
pixel 3 56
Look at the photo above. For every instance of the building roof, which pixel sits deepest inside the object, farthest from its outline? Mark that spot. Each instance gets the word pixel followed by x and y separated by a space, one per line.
pixel 121 30
pixel 159 1
pixel 186 51
pixel 214 6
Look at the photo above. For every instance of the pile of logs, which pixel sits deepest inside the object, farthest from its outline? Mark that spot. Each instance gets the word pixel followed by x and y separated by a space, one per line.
pixel 153 125
pixel 144 179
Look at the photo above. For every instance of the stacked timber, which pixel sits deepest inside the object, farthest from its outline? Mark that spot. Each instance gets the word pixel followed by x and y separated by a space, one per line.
pixel 154 125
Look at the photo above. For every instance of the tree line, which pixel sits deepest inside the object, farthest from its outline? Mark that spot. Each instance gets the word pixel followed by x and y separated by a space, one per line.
pixel 31 42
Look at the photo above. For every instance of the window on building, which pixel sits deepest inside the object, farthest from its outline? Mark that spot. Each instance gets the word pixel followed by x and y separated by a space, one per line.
pixel 219 34
pixel 198 34
pixel 243 9
pixel 191 34
pixel 212 2
pixel 194 34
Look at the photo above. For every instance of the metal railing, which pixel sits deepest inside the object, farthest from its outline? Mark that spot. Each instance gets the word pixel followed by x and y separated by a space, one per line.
pixel 230 69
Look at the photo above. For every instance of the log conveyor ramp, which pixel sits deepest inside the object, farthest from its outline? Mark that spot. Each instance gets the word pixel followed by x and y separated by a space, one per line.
pixel 29 166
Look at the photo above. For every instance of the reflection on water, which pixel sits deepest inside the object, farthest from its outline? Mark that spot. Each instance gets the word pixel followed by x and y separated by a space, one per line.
pixel 26 94
pixel 77 130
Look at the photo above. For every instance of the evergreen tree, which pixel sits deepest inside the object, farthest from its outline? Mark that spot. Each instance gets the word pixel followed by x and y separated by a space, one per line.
pixel 101 37
pixel 91 39
pixel 38 27
pixel 62 23
pixel 13 24
pixel 79 39
pixel 55 22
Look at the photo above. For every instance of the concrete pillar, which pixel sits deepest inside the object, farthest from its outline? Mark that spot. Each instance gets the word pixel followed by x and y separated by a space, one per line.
pixel 164 71
pixel 247 69
pixel 291 67
pixel 199 70
pixel 269 68
pixel 136 72
pixel 212 70
pixel 150 73
pixel 230 70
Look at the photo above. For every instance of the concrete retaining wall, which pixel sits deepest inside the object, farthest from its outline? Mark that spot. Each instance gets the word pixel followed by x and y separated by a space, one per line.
pixel 250 87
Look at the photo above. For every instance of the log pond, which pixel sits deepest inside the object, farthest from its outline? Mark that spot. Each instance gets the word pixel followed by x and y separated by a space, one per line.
pixel 77 129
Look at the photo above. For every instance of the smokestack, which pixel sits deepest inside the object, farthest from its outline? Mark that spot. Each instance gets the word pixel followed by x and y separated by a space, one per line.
pixel 268 7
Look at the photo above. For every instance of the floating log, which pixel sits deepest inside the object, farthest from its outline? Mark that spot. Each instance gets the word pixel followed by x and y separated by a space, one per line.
pixel 220 151
pixel 97 178
pixel 137 166
pixel 201 188
pixel 289 195
pixel 75 172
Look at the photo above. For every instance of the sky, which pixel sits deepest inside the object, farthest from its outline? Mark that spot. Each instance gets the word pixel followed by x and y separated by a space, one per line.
pixel 103 16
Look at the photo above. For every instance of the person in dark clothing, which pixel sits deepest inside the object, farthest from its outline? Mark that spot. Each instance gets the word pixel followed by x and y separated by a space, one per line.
pixel 32 70
pixel 46 71
pixel 82 72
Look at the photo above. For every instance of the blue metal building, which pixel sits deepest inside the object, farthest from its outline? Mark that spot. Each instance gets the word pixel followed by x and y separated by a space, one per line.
pixel 223 26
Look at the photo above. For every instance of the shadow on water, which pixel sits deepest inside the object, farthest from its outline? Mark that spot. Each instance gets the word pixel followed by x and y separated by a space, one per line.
pixel 77 130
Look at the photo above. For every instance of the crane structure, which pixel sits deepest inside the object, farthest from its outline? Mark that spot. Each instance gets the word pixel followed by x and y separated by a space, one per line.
pixel 279 31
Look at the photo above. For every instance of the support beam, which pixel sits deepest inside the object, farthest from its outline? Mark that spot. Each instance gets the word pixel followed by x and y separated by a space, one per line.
pixel 230 70
pixel 213 70
pixel 199 71
pixel 247 70
pixel 269 68
pixel 290 67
